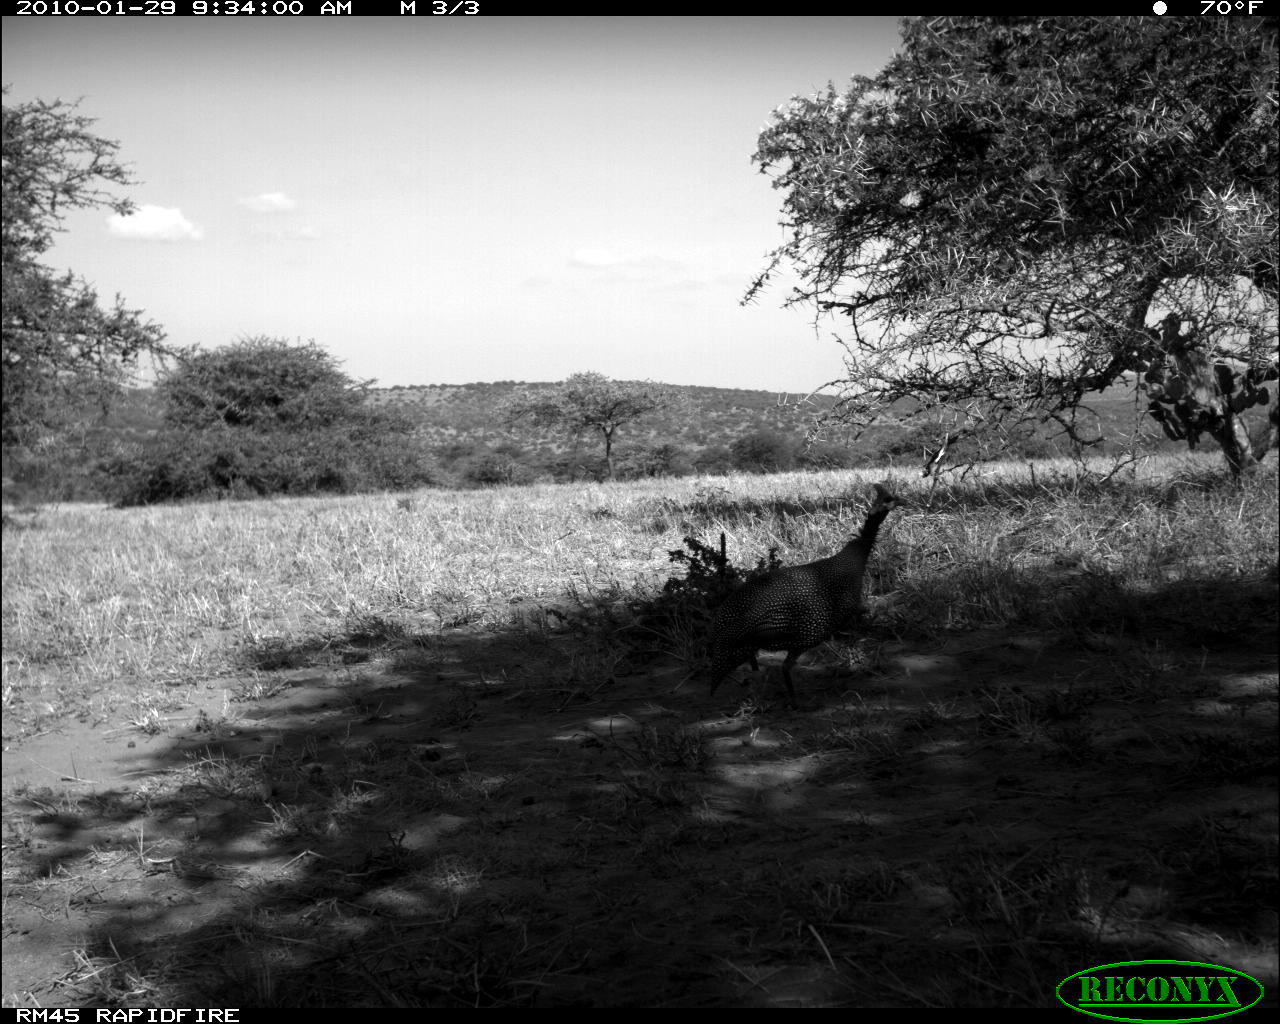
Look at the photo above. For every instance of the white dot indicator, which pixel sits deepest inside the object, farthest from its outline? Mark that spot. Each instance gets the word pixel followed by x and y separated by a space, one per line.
pixel 1159 6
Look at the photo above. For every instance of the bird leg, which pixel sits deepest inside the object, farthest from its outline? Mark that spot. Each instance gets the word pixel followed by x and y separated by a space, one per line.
pixel 786 676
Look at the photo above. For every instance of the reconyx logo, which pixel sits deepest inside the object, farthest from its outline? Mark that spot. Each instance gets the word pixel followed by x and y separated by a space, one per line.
pixel 1163 990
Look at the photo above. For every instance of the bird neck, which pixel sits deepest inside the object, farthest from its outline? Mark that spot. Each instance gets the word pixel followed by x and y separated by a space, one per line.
pixel 871 528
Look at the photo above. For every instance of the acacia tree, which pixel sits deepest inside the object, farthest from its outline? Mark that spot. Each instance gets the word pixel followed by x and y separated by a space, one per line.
pixel 1004 210
pixel 262 416
pixel 261 384
pixel 61 347
pixel 590 403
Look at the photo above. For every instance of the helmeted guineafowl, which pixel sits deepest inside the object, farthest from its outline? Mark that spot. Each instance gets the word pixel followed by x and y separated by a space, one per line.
pixel 795 608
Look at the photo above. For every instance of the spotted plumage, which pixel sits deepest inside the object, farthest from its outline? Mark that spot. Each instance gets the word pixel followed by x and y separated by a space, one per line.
pixel 795 608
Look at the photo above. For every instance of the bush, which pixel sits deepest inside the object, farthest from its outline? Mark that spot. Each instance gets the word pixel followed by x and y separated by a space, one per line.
pixel 452 453
pixel 242 464
pixel 714 459
pixel 656 460
pixel 765 451
pixel 827 455
pixel 265 417
pixel 495 468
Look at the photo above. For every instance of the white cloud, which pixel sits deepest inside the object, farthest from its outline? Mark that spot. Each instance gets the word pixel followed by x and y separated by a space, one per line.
pixel 608 266
pixel 270 202
pixel 155 223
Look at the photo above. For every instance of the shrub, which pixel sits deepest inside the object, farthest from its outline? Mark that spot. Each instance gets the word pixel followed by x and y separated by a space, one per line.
pixel 765 451
pixel 265 417
pixel 656 460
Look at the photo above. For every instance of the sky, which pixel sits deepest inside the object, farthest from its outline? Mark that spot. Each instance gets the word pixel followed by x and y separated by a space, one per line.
pixel 443 201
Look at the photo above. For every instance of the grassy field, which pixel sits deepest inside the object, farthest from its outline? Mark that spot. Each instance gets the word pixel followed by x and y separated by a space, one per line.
pixel 450 748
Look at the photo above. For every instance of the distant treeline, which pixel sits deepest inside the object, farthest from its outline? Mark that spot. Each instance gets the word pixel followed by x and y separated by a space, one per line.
pixel 450 436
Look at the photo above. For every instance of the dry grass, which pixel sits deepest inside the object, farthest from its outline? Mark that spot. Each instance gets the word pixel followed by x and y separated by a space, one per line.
pixel 100 602
pixel 452 757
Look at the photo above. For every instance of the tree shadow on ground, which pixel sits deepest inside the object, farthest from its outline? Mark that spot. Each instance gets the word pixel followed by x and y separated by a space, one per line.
pixel 519 817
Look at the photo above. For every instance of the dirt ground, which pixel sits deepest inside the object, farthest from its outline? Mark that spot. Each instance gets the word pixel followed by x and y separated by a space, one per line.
pixel 956 824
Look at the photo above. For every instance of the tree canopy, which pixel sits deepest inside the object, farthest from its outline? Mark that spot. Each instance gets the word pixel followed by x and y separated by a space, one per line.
pixel 263 416
pixel 1003 211
pixel 61 347
pixel 590 403
pixel 261 384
